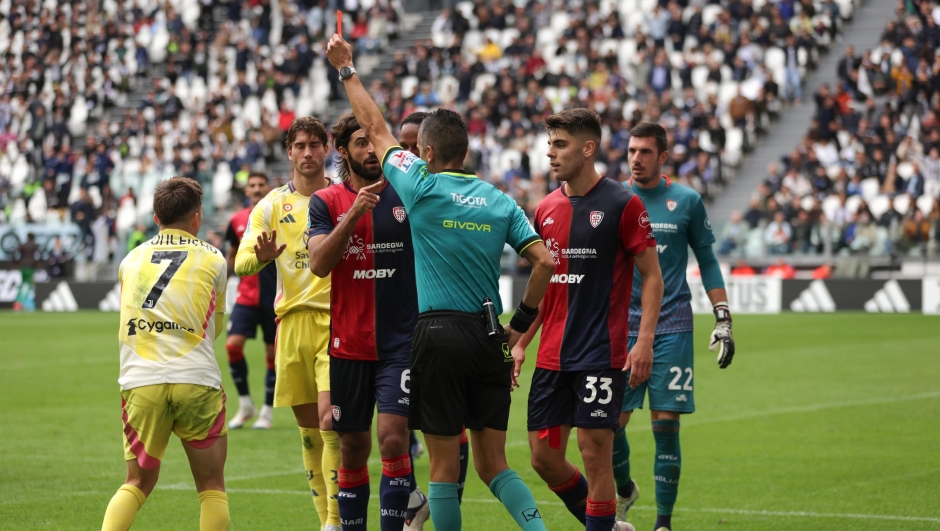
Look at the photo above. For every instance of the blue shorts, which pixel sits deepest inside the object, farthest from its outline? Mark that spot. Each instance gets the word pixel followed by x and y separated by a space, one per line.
pixel 245 320
pixel 356 386
pixel 670 382
pixel 584 399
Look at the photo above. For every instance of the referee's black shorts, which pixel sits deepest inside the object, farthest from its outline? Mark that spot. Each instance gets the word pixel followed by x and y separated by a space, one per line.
pixel 460 376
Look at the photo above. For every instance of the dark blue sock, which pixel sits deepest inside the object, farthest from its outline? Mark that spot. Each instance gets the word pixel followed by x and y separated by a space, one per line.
pixel 239 371
pixel 394 492
pixel 464 461
pixel 574 494
pixel 269 379
pixel 353 498
pixel 663 520
pixel 600 515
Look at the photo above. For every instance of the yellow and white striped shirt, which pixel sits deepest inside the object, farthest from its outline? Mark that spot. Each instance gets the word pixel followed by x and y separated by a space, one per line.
pixel 172 306
pixel 285 210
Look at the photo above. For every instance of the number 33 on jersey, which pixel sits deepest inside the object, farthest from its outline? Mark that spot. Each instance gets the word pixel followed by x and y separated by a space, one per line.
pixel 172 304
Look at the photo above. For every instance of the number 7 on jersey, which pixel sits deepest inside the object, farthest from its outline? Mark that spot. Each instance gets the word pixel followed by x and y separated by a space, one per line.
pixel 176 259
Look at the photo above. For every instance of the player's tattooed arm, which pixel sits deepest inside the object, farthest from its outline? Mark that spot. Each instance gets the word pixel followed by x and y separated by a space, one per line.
pixel 640 357
pixel 326 250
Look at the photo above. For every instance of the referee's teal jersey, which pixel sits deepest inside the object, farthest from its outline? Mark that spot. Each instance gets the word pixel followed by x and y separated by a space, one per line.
pixel 459 226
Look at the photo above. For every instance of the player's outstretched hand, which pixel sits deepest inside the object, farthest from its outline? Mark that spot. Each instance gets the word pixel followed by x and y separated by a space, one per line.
pixel 267 249
pixel 339 52
pixel 722 340
pixel 518 358
pixel 366 200
pixel 639 362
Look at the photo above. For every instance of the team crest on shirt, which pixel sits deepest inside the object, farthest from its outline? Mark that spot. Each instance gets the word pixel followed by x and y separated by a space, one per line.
pixel 399 213
pixel 671 204
pixel 355 247
pixel 596 217
pixel 288 207
pixel 552 245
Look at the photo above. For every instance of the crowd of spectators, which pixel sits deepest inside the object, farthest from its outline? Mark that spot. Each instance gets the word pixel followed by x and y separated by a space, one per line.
pixel 865 179
pixel 100 100
pixel 714 73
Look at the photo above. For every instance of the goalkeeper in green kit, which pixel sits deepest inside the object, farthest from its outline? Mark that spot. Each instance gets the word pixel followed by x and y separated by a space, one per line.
pixel 678 220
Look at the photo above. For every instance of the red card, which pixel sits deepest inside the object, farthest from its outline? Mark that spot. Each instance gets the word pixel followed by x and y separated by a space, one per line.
pixel 339 22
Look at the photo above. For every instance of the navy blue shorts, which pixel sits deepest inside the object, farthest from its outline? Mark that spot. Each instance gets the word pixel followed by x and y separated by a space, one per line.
pixel 356 386
pixel 583 399
pixel 245 320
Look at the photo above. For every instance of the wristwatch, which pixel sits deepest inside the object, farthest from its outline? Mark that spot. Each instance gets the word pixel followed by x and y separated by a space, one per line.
pixel 346 72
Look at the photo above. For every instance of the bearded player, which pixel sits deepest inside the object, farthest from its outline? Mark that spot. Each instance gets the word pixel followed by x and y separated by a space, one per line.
pixel 359 235
pixel 254 307
pixel 596 231
pixel 277 233
pixel 678 219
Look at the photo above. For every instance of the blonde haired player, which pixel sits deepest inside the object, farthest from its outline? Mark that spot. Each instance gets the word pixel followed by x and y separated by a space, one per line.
pixel 172 304
pixel 277 232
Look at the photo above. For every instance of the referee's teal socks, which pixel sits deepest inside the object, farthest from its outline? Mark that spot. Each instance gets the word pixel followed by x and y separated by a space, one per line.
pixel 667 466
pixel 445 509
pixel 509 489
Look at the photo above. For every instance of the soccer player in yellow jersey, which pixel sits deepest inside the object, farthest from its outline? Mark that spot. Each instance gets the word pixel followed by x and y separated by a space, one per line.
pixel 172 304
pixel 277 232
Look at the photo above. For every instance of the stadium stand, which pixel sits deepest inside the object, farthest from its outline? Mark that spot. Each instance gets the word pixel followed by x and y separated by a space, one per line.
pixel 865 179
pixel 102 100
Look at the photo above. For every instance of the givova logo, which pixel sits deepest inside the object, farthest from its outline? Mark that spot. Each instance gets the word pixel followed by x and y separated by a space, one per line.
pixel 466 225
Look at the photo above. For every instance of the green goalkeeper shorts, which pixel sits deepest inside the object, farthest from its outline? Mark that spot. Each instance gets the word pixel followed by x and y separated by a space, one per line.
pixel 670 382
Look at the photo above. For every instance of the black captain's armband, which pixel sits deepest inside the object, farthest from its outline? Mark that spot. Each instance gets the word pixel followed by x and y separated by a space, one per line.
pixel 523 318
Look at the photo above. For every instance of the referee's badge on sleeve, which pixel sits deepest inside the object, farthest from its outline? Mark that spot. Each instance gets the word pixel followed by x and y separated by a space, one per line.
pixel 402 160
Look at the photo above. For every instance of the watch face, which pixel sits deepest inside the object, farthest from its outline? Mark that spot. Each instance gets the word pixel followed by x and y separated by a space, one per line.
pixel 345 72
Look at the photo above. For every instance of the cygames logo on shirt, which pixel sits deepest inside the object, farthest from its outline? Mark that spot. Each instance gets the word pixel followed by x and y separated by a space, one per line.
pixel 159 327
pixel 466 225
pixel 468 200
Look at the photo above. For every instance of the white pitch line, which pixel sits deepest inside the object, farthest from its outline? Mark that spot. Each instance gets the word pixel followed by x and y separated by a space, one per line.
pixel 804 514
pixel 813 407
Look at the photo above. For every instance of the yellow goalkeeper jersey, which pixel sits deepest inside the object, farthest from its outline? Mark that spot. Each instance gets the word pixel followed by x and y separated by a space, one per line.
pixel 285 210
pixel 172 306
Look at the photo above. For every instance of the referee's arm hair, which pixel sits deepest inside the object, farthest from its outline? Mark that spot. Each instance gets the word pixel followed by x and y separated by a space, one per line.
pixel 370 118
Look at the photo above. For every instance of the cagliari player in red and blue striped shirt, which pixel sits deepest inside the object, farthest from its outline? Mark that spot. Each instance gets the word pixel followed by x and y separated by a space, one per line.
pixel 596 230
pixel 360 234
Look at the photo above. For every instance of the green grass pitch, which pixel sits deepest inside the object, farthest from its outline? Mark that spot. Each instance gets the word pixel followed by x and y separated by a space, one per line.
pixel 823 422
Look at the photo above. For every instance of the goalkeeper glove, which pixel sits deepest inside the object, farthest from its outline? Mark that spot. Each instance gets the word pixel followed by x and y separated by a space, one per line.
pixel 721 340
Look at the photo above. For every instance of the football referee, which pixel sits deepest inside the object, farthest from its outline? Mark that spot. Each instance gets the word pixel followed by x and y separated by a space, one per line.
pixel 462 370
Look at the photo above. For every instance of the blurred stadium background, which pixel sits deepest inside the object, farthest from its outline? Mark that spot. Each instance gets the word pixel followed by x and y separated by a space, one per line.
pixel 810 127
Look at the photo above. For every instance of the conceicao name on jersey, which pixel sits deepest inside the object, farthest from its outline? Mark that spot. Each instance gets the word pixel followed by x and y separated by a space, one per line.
pixel 369 274
pixel 468 200
pixel 174 239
